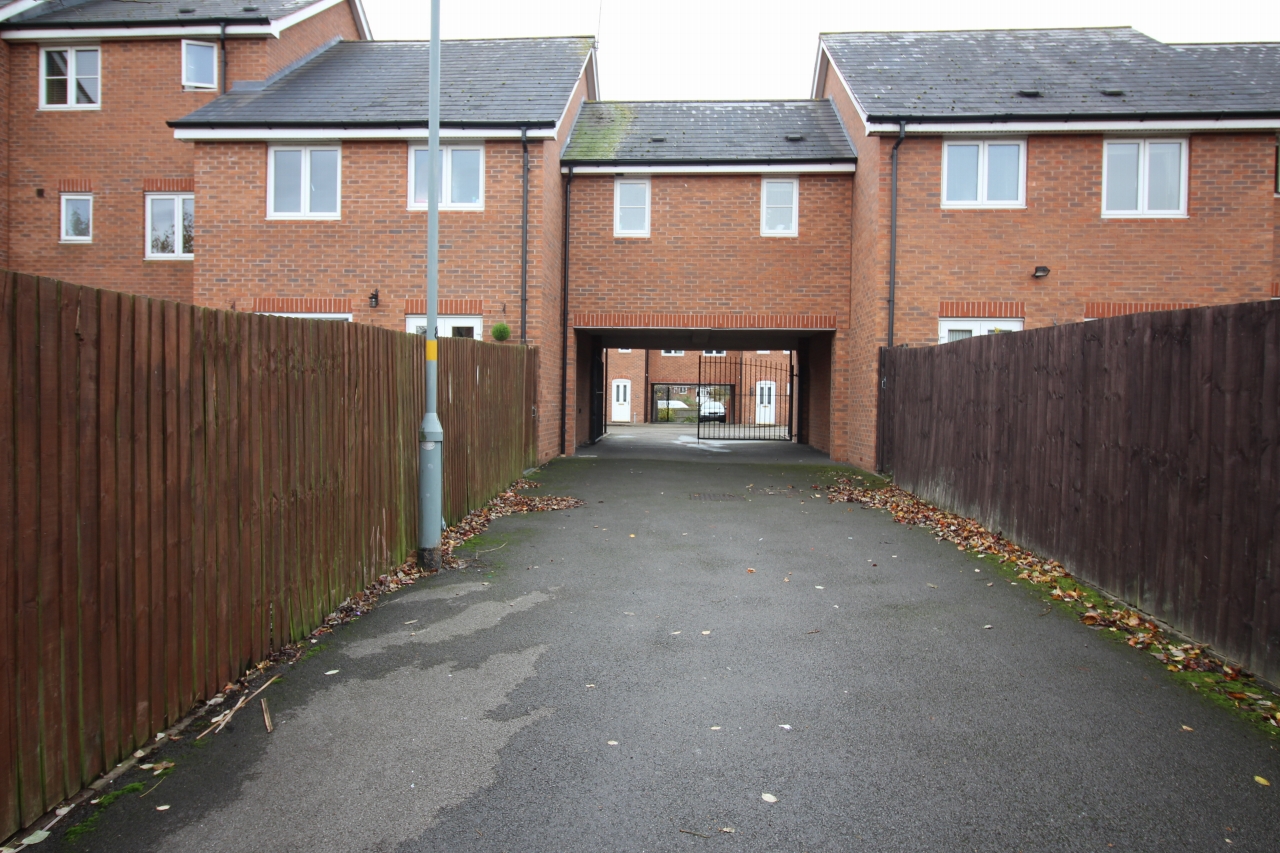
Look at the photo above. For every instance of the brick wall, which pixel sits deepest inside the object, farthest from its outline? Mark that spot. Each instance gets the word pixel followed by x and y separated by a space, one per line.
pixel 119 152
pixel 4 155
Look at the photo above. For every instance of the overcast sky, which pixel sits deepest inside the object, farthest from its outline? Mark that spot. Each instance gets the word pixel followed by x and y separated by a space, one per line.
pixel 734 49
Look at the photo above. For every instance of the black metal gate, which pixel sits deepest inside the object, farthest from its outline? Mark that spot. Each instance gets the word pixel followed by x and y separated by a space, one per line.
pixel 745 398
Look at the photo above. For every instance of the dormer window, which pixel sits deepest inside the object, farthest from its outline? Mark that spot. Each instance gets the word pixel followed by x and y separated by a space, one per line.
pixel 199 65
pixel 69 78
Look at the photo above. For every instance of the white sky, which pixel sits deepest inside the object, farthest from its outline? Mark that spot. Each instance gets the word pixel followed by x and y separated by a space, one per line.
pixel 741 49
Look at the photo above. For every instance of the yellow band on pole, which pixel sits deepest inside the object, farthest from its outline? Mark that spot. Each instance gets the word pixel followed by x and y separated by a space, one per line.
pixel 431 350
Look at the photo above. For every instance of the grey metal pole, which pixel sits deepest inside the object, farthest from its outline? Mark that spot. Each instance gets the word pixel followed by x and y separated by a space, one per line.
pixel 431 433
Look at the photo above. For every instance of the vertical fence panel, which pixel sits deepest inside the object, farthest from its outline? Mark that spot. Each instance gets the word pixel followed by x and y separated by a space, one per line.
pixel 192 488
pixel 1138 450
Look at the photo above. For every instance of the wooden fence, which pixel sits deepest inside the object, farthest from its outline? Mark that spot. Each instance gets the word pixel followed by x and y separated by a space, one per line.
pixel 1141 451
pixel 183 490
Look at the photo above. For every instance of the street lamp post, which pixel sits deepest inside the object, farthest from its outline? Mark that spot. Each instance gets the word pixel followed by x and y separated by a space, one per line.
pixel 431 433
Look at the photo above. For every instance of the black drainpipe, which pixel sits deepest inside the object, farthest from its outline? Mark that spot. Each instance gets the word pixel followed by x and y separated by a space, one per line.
pixel 564 319
pixel 222 46
pixel 524 238
pixel 893 225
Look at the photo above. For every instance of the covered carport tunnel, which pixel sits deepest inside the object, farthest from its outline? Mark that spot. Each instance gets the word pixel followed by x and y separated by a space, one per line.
pixel 588 396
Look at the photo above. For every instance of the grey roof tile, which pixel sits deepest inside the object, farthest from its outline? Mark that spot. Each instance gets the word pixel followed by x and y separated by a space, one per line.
pixel 131 12
pixel 979 75
pixel 707 131
pixel 492 82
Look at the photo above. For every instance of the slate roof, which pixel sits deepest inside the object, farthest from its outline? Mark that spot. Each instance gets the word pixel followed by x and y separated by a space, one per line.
pixel 483 82
pixel 102 13
pixel 950 76
pixel 668 132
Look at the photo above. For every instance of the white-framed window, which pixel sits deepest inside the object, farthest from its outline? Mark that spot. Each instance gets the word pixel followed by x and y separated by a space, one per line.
pixel 77 218
pixel 462 184
pixel 171 226
pixel 779 207
pixel 714 352
pixel 199 64
pixel 959 328
pixel 70 78
pixel 1144 177
pixel 984 173
pixel 673 352
pixel 447 326
pixel 300 315
pixel 631 207
pixel 303 182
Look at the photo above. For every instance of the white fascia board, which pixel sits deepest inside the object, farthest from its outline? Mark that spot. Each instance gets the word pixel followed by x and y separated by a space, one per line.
pixel 362 20
pixel 1118 126
pixel 817 63
pixel 18 8
pixel 259 134
pixel 715 169
pixel 74 34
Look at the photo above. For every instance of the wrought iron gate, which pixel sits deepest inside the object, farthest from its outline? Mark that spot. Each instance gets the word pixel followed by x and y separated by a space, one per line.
pixel 745 398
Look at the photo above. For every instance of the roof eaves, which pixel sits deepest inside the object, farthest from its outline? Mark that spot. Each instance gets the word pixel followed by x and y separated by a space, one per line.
pixel 969 118
pixel 713 161
pixel 353 125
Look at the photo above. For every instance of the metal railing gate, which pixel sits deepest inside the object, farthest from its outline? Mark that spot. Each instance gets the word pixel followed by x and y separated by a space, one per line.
pixel 740 398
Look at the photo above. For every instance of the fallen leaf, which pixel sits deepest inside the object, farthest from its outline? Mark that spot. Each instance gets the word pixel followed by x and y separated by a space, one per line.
pixel 715 728
pixel 933 586
pixel 785 727
pixel 332 672
pixel 411 621
pixel 673 633
pixel 162 808
pixel 1188 729
pixel 612 742
pixel 36 837
pixel 818 587
pixel 1263 782
pixel 633 536
pixel 769 798
pixel 786 580
pixel 987 627
pixel 751 571
pixel 728 829
pixel 704 633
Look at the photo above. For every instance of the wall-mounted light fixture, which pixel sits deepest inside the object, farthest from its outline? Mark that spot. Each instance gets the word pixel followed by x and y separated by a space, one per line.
pixel 373 297
pixel 1041 272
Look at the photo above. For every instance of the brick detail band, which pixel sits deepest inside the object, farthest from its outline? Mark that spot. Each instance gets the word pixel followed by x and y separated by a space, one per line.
pixel 704 321
pixel 446 306
pixel 75 185
pixel 168 185
pixel 1099 310
pixel 305 305
pixel 992 310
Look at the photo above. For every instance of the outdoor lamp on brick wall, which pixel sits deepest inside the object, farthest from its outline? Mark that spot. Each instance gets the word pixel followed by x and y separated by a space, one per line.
pixel 1041 272
pixel 373 299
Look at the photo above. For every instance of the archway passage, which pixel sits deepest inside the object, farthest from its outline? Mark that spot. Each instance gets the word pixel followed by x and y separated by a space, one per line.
pixel 702 384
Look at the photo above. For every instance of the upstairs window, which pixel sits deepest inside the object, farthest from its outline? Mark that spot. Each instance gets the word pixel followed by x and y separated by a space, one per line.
pixel 982 173
pixel 69 78
pixel 303 182
pixel 77 219
pixel 673 352
pixel 171 224
pixel 1144 177
pixel 462 177
pixel 779 206
pixel 199 64
pixel 631 207
pixel 714 352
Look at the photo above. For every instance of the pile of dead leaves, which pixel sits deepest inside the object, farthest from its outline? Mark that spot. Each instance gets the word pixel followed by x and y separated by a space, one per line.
pixel 1093 608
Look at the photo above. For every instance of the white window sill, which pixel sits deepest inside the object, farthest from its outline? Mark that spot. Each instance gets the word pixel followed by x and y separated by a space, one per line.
pixel 76 241
pixel 779 233
pixel 55 108
pixel 631 235
pixel 958 206
pixel 169 257
pixel 298 217
pixel 192 87
pixel 1146 216
pixel 444 207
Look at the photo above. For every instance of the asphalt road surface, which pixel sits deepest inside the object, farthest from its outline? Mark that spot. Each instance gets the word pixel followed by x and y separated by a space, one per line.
pixel 613 678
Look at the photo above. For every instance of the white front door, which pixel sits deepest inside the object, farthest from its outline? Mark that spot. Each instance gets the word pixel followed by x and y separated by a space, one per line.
pixel 764 401
pixel 621 401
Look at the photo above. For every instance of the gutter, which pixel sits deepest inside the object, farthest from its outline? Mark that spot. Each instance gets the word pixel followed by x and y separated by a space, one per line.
pixel 344 125
pixel 963 118
pixel 564 318
pixel 524 235
pixel 893 226
pixel 222 49
pixel 734 161
pixel 39 24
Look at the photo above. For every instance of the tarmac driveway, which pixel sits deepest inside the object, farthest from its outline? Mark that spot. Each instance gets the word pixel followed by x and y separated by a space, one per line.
pixel 614 678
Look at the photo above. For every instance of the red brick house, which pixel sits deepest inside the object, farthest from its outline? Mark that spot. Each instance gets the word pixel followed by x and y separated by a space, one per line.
pixel 1044 177
pixel 96 188
pixel 312 190
pixel 639 382
pixel 708 226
